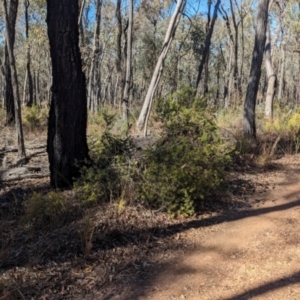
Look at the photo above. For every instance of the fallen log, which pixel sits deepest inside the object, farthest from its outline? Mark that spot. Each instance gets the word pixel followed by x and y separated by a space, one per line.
pixel 5 150
pixel 23 173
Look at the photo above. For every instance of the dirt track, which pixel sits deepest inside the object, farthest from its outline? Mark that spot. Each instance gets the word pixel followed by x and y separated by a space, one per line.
pixel 248 251
pixel 253 254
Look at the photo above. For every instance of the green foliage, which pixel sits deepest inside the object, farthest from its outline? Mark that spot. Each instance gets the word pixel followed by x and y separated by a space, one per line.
pixel 172 104
pixel 47 210
pixel 287 126
pixel 108 176
pixel 294 127
pixel 107 119
pixel 197 36
pixel 294 123
pixel 34 117
pixel 188 163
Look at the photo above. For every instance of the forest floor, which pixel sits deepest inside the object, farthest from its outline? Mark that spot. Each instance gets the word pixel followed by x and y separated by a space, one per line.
pixel 246 247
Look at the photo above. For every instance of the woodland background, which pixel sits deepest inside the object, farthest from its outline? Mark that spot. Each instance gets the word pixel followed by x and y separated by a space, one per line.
pixel 126 206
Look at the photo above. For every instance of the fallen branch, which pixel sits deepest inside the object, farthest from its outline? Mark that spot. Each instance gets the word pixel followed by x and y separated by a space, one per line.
pixel 22 161
pixel 23 173
pixel 5 150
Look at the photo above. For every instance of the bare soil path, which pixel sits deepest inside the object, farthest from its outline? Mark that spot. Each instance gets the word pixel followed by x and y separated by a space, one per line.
pixel 252 254
pixel 248 248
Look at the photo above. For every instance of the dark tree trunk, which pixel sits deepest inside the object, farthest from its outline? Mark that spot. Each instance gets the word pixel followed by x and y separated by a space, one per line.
pixel 37 89
pixel 255 72
pixel 67 144
pixel 236 49
pixel 10 35
pixel 127 88
pixel 119 58
pixel 80 23
pixel 28 65
pixel 9 96
pixel 94 69
pixel 207 44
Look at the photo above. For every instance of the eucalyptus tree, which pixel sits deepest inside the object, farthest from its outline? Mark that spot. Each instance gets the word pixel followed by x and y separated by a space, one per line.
pixel 282 9
pixel 127 87
pixel 94 81
pixel 249 126
pixel 209 31
pixel 28 64
pixel 10 20
pixel 120 54
pixel 142 121
pixel 67 142
pixel 235 28
pixel 10 36
pixel 271 76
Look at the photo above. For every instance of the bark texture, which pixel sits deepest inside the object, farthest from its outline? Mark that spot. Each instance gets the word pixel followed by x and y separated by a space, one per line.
pixel 207 45
pixel 271 75
pixel 282 71
pixel 146 109
pixel 28 64
pixel 249 126
pixel 9 96
pixel 10 36
pixel 125 102
pixel 94 80
pixel 66 144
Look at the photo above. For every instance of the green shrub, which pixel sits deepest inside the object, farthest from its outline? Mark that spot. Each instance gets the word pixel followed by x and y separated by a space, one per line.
pixel 287 126
pixel 188 163
pixel 294 128
pixel 97 122
pixel 109 174
pixel 35 117
pixel 47 210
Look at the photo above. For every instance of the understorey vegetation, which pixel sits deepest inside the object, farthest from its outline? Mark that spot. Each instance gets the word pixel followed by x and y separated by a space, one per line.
pixel 122 121
pixel 183 166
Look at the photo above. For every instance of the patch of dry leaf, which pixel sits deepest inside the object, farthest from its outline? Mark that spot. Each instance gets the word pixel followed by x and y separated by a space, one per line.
pixel 109 255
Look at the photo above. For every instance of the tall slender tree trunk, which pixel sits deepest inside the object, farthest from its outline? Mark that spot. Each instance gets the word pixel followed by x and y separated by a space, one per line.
pixel 14 78
pixel 119 58
pixel 80 23
pixel 146 109
pixel 28 64
pixel 249 126
pixel 34 89
pixel 37 86
pixel 9 94
pixel 282 71
pixel 24 88
pixel 67 142
pixel 125 102
pixel 227 81
pixel 271 77
pixel 235 51
pixel 95 59
pixel 207 45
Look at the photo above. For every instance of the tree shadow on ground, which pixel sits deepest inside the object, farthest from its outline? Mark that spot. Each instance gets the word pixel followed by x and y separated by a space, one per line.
pixel 268 287
pixel 124 258
pixel 122 238
pixel 138 257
